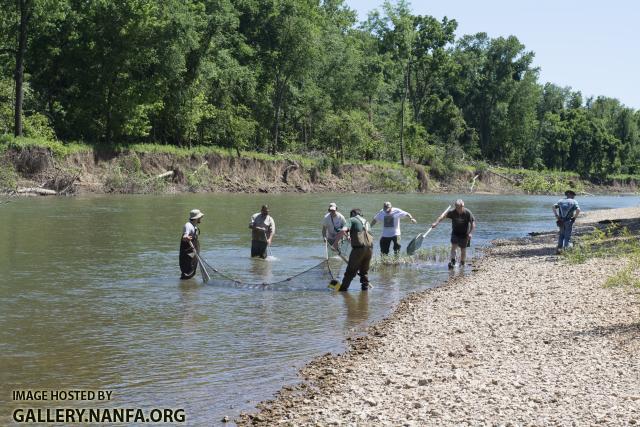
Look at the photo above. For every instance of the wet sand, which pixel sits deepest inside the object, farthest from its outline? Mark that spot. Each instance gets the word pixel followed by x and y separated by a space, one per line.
pixel 520 337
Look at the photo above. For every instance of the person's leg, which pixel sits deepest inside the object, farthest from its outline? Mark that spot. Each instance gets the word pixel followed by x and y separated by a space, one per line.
pixel 396 244
pixel 568 228
pixel 454 247
pixel 363 270
pixel 462 243
pixel 560 237
pixel 258 249
pixel 352 268
pixel 385 242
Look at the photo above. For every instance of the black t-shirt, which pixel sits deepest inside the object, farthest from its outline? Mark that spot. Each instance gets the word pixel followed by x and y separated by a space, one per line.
pixel 461 223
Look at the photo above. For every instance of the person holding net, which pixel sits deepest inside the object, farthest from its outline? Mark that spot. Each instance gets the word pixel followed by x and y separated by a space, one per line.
pixel 463 224
pixel 263 228
pixel 189 245
pixel 332 223
pixel 361 252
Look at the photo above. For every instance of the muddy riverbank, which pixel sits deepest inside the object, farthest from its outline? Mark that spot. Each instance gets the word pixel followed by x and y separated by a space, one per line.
pixel 38 171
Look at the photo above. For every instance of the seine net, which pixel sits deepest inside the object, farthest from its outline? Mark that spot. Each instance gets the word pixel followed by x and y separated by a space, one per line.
pixel 316 277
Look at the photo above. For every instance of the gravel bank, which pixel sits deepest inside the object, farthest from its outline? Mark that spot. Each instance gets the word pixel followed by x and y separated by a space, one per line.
pixel 526 339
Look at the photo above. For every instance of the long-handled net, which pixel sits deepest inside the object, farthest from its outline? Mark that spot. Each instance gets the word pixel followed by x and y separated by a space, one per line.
pixel 316 277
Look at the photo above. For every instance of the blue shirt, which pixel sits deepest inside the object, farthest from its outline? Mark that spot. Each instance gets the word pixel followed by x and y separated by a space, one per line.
pixel 566 207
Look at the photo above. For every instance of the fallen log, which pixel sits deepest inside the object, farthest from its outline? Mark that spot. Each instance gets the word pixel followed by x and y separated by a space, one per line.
pixel 502 176
pixel 473 183
pixel 164 174
pixel 36 190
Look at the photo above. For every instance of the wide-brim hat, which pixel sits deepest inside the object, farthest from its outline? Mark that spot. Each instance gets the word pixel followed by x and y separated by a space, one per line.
pixel 570 193
pixel 195 214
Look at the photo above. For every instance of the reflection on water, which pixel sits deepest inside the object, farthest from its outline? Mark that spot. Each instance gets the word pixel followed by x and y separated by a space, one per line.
pixel 357 308
pixel 90 296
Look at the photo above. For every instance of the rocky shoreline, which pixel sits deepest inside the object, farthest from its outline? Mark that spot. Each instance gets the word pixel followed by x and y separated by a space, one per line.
pixel 525 338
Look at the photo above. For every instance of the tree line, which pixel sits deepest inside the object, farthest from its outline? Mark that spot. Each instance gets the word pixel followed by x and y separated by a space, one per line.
pixel 300 76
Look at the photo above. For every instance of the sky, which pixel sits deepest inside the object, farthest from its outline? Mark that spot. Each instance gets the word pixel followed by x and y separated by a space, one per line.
pixel 590 46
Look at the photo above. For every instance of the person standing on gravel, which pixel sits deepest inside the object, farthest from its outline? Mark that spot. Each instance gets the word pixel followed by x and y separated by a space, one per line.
pixel 463 224
pixel 566 211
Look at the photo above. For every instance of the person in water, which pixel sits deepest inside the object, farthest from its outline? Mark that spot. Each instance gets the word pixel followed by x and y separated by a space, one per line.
pixel 189 245
pixel 332 223
pixel 566 212
pixel 463 224
pixel 263 228
pixel 361 252
pixel 390 218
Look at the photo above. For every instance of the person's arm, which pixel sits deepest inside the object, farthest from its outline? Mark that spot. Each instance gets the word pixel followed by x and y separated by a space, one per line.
pixel 576 214
pixel 339 236
pixel 411 218
pixel 273 231
pixel 375 218
pixel 324 232
pixel 186 234
pixel 440 218
pixel 473 227
pixel 555 211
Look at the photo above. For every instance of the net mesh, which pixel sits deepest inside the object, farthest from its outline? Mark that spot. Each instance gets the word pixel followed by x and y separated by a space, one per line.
pixel 316 277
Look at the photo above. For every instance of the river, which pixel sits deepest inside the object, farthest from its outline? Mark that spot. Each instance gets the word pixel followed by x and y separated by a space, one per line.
pixel 90 297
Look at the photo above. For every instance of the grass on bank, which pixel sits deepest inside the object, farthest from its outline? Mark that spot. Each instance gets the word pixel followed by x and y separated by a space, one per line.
pixel 57 148
pixel 432 254
pixel 613 241
pixel 385 175
pixel 61 149
pixel 545 182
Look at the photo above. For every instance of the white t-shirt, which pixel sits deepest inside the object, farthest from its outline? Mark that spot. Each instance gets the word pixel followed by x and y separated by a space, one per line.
pixel 264 227
pixel 188 230
pixel 334 225
pixel 390 221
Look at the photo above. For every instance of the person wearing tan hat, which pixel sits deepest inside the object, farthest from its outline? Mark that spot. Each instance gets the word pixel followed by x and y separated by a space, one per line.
pixel 566 211
pixel 390 218
pixel 332 223
pixel 189 245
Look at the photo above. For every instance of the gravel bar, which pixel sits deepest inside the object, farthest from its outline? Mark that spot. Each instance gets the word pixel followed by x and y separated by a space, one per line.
pixel 519 338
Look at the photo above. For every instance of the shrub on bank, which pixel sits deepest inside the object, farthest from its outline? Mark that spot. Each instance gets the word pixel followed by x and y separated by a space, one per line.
pixel 613 241
pixel 8 176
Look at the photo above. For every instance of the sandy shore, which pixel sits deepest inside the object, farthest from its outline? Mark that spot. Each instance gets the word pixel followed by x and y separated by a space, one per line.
pixel 526 340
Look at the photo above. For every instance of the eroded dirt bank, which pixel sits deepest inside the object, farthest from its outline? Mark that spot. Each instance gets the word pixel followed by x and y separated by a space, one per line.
pixel 38 171
pixel 524 339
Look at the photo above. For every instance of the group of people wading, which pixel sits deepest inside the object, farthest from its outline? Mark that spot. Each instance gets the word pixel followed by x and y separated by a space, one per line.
pixel 335 229
pixel 357 230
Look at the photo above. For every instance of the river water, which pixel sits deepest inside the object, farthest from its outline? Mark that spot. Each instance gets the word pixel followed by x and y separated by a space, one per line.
pixel 90 297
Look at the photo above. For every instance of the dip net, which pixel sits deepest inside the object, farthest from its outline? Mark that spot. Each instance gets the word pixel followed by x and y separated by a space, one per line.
pixel 316 277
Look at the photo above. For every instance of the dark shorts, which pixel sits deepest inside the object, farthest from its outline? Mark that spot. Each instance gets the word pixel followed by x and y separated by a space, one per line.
pixel 385 243
pixel 461 241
